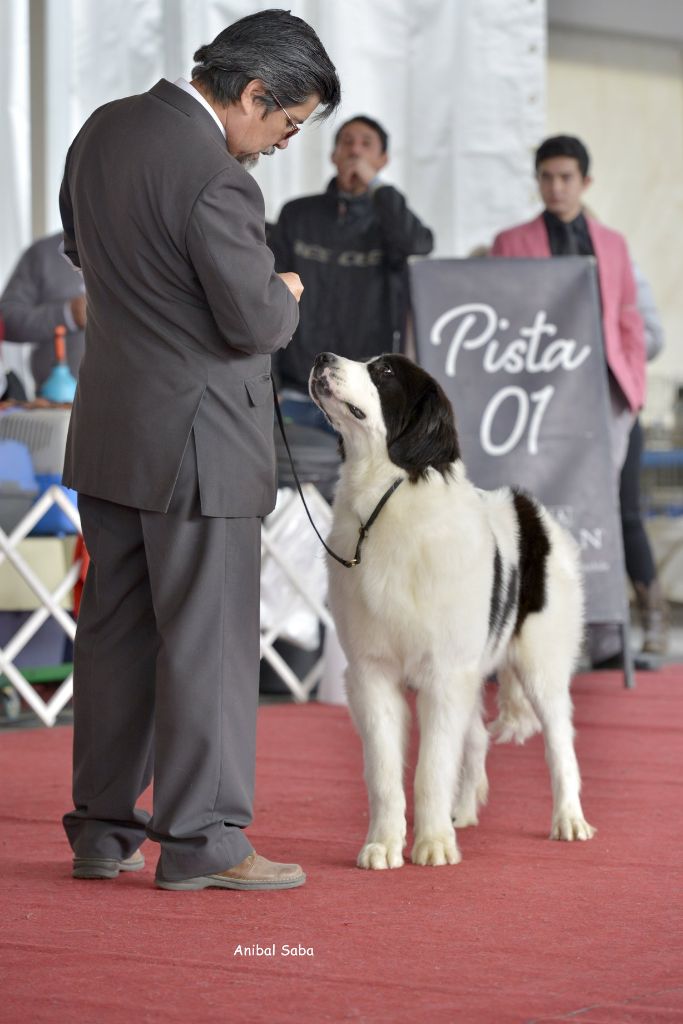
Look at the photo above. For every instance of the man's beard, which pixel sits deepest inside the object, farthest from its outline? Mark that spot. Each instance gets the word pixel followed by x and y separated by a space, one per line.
pixel 250 160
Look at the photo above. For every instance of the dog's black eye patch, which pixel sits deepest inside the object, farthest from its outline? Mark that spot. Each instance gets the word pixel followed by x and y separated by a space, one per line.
pixel 358 413
pixel 381 370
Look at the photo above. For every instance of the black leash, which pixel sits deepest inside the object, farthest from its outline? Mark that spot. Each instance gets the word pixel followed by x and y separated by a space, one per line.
pixel 364 527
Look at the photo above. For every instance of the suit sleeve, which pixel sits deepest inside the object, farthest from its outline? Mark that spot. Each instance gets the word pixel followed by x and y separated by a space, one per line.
pixel 631 325
pixel 281 245
pixel 28 316
pixel 67 214
pixel 280 242
pixel 647 307
pixel 405 234
pixel 499 247
pixel 225 238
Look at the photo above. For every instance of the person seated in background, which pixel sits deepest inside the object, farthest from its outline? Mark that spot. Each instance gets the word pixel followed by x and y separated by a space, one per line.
pixel 563 229
pixel 43 292
pixel 640 564
pixel 11 387
pixel 350 245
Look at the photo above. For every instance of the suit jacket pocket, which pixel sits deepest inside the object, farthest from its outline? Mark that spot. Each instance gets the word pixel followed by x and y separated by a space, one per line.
pixel 259 389
pixel 235 450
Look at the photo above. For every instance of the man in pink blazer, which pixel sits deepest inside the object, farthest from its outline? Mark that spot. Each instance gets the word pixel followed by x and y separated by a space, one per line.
pixel 563 229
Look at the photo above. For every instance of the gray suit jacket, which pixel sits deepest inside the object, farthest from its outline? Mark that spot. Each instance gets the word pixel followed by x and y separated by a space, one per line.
pixel 32 305
pixel 184 309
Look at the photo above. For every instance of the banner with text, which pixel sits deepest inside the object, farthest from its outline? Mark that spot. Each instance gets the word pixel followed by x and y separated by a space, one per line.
pixel 517 346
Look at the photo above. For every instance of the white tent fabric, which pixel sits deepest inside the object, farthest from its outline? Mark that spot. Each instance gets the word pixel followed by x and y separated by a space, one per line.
pixel 459 85
pixel 15 138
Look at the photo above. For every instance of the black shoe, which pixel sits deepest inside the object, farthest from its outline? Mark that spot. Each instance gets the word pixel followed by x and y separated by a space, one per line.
pixel 106 867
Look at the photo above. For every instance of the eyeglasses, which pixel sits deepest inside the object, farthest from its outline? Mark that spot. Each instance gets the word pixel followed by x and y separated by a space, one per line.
pixel 295 128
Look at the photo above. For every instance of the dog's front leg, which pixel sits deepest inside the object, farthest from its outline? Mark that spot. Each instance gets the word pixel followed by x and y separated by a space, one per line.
pixel 444 710
pixel 381 716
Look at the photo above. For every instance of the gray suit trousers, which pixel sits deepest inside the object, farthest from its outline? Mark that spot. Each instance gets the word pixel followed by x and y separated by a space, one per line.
pixel 166 675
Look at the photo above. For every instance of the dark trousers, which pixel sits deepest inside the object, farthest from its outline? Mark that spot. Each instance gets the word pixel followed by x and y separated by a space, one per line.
pixel 166 674
pixel 640 564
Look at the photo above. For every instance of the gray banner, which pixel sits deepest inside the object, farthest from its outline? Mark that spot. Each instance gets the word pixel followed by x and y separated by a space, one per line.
pixel 517 346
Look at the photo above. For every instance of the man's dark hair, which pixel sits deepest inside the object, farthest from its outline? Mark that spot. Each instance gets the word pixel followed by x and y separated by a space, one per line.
pixel 280 49
pixel 375 125
pixel 564 145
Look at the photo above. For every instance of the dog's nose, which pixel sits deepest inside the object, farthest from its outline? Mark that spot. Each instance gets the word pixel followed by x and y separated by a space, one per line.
pixel 324 359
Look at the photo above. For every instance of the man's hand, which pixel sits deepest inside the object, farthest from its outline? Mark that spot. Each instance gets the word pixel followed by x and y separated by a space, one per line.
pixel 355 174
pixel 293 282
pixel 78 311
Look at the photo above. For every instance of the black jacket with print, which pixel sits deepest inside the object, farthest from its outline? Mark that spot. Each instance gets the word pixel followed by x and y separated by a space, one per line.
pixel 350 253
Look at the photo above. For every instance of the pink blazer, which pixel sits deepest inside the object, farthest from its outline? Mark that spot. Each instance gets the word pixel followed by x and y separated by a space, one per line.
pixel 621 321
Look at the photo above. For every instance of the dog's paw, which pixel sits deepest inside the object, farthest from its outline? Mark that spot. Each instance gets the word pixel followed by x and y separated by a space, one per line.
pixel 465 811
pixel 435 851
pixel 569 827
pixel 464 817
pixel 378 856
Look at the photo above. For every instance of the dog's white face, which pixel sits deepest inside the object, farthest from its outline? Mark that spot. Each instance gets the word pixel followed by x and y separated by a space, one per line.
pixel 389 404
pixel 347 394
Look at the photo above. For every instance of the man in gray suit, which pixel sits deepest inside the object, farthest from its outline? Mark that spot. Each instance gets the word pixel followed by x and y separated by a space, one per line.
pixel 171 450
pixel 41 294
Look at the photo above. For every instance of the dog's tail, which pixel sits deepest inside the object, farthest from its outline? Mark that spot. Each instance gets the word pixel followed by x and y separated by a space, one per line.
pixel 516 718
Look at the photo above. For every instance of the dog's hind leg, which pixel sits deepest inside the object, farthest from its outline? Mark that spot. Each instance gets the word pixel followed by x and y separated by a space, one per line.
pixel 381 715
pixel 445 709
pixel 473 789
pixel 548 693
pixel 516 718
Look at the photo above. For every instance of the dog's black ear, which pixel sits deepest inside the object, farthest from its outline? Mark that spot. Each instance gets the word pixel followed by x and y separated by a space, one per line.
pixel 427 437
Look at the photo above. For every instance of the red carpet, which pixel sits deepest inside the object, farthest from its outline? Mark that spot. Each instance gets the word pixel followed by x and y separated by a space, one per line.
pixel 523 930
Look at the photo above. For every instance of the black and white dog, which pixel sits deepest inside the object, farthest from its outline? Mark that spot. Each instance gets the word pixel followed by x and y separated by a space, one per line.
pixel 453 583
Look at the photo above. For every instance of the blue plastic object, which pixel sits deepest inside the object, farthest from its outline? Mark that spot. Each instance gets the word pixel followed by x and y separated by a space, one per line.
pixel 663 458
pixel 60 386
pixel 54 522
pixel 16 466
pixel 18 485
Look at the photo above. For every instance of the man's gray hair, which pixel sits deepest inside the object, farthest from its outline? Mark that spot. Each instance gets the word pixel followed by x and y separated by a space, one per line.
pixel 279 49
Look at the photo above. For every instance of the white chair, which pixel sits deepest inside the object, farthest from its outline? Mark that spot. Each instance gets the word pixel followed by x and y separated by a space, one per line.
pixel 50 604
pixel 293 605
pixel 294 584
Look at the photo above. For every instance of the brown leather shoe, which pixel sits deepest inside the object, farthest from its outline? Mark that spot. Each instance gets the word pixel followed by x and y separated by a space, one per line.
pixel 654 616
pixel 254 872
pixel 106 867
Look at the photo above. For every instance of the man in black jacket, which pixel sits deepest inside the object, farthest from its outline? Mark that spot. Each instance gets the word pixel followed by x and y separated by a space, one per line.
pixel 350 245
